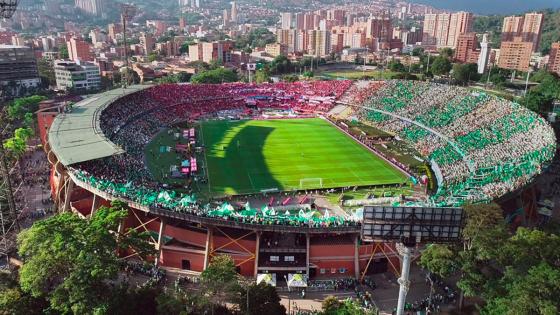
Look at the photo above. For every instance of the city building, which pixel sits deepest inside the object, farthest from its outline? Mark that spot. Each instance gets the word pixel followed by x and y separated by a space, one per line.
pixel 79 50
pixel 443 29
pixel 484 56
pixel 511 27
pixel 147 42
pixel 554 58
pixel 169 48
pixel 225 17
pixel 286 20
pixel 112 31
pixel 18 71
pixel 17 40
pixel 214 51
pixel 82 76
pixel 318 43
pixel 276 49
pixel 532 29
pixel 528 27
pixel 466 50
pixel 516 54
pixel 234 12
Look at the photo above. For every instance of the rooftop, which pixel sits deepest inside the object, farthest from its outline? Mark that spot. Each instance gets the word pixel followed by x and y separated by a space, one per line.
pixel 77 137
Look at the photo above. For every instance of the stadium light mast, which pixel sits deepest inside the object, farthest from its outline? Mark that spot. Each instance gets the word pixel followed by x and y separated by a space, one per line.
pixel 8 218
pixel 127 12
pixel 408 227
pixel 7 10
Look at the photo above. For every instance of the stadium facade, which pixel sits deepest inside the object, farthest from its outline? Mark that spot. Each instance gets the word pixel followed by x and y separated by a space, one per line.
pixel 188 235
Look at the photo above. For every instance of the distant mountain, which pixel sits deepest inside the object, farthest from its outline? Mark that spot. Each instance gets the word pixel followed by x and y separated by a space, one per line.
pixel 485 7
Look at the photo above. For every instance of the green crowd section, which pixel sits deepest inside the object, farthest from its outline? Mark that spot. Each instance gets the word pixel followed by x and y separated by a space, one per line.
pixel 490 146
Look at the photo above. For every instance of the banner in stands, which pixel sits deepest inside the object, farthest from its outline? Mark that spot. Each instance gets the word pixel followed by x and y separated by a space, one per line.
pixel 268 278
pixel 437 173
pixel 297 280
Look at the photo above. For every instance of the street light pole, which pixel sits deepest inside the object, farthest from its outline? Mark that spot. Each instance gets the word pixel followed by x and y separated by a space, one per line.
pixel 527 82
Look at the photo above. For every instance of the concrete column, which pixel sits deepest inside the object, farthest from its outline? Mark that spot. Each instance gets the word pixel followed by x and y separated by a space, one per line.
pixel 307 241
pixel 69 189
pixel 404 282
pixel 209 235
pixel 58 200
pixel 160 239
pixel 94 205
pixel 356 257
pixel 257 249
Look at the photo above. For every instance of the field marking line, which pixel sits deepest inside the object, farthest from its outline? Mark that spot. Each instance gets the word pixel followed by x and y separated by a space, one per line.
pixel 205 159
pixel 251 181
pixel 371 150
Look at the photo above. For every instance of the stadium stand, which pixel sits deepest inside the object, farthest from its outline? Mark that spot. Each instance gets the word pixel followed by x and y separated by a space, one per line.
pixel 480 147
pixel 483 146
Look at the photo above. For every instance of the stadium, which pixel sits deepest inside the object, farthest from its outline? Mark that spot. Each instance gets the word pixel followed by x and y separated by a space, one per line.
pixel 276 175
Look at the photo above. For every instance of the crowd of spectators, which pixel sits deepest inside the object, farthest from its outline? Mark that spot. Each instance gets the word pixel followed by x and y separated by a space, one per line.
pixel 133 120
pixel 484 146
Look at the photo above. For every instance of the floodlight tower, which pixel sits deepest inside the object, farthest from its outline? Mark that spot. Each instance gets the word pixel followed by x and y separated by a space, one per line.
pixel 8 213
pixel 127 12
pixel 409 227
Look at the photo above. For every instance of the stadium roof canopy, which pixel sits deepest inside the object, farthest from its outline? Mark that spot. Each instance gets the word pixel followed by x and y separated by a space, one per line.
pixel 77 137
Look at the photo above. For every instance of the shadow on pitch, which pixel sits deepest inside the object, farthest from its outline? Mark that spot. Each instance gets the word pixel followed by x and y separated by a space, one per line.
pixel 243 167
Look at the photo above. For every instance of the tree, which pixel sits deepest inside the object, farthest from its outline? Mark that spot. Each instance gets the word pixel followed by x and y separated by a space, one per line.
pixel 17 109
pixel 439 260
pixel 483 222
pixel 14 301
pixel 183 76
pixel 70 261
pixel 46 72
pixel 63 52
pixel 463 73
pixel 418 51
pixel 262 76
pixel 198 65
pixel 530 281
pixel 16 146
pixel 347 307
pixel 152 57
pixel 23 133
pixel 441 66
pixel 290 78
pixel 446 52
pixel 308 74
pixel 541 97
pixel 396 66
pixel 281 64
pixel 219 279
pixel 215 76
pixel 263 299
pixel 330 305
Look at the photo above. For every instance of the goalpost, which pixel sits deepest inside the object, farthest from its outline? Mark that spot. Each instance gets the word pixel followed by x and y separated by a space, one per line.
pixel 310 183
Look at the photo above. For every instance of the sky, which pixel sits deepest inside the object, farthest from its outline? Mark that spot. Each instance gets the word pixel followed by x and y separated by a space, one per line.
pixel 492 6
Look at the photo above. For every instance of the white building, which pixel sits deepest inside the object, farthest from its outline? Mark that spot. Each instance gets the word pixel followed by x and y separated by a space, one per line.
pixel 484 56
pixel 77 75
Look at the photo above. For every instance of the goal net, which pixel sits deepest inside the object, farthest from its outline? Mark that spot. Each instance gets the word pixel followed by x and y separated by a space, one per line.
pixel 310 183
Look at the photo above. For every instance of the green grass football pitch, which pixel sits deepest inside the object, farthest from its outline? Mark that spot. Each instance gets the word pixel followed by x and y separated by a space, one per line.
pixel 254 155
